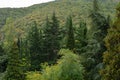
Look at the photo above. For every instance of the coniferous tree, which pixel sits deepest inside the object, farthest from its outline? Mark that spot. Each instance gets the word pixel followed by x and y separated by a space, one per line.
pixel 70 34
pixel 46 41
pixel 95 47
pixel 24 53
pixel 51 38
pixel 14 70
pixel 55 36
pixel 81 38
pixel 35 46
pixel 111 57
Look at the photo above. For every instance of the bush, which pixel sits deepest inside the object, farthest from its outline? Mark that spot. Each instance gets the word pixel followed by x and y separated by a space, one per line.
pixel 67 68
pixel 33 76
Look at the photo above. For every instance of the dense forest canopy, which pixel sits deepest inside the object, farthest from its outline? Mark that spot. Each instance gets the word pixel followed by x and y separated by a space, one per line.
pixel 61 40
pixel 79 10
pixel 62 7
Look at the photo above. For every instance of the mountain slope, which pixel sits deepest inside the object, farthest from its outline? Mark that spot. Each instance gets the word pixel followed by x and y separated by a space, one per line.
pixel 79 9
pixel 17 13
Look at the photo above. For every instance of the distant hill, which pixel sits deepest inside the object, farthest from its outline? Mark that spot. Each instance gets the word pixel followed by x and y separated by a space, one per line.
pixel 79 9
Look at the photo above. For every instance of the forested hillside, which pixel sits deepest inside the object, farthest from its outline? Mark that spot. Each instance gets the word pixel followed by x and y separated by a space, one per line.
pixel 61 40
pixel 81 9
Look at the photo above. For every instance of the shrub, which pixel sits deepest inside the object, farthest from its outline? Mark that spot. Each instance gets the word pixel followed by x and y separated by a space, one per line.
pixel 33 75
pixel 67 68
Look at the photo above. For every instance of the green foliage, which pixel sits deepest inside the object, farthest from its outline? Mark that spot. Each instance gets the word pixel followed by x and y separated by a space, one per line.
pixel 43 45
pixel 81 38
pixel 79 8
pixel 33 75
pixel 3 63
pixel 35 46
pixel 95 47
pixel 70 34
pixel 67 68
pixel 1 75
pixel 1 51
pixel 14 70
pixel 51 39
pixel 95 6
pixel 111 57
pixel 9 34
pixel 24 52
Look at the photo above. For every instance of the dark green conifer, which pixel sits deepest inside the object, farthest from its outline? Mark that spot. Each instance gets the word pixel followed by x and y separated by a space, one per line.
pixel 35 46
pixel 81 38
pixel 24 53
pixel 95 47
pixel 70 34
pixel 51 38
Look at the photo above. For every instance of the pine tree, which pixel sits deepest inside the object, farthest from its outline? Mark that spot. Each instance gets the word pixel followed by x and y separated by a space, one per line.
pixel 70 34
pixel 14 70
pixel 111 57
pixel 51 38
pixel 46 41
pixel 81 38
pixel 95 47
pixel 35 46
pixel 24 53
pixel 55 37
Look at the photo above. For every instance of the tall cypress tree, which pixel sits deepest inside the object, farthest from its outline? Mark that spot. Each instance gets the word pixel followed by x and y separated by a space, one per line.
pixel 70 34
pixel 111 57
pixel 14 70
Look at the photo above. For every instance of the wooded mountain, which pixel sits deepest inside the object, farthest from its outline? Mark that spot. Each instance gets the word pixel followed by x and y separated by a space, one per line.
pixel 79 9
pixel 38 32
